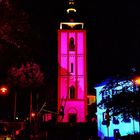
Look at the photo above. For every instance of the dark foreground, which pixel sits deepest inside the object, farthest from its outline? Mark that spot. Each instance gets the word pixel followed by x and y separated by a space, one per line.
pixel 57 131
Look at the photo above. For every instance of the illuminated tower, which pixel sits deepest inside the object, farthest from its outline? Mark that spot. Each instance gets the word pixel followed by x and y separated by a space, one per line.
pixel 72 73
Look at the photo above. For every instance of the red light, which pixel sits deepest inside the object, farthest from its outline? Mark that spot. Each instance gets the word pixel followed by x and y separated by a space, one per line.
pixel 3 90
pixel 33 114
pixel 17 132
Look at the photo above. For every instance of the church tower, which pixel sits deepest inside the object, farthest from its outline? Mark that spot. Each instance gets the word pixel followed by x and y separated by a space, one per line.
pixel 72 69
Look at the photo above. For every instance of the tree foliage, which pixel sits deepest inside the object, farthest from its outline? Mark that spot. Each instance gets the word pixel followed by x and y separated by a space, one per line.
pixel 27 75
pixel 14 24
pixel 17 37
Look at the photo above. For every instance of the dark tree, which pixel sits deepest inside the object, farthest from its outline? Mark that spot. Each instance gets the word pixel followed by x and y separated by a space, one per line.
pixel 28 78
pixel 18 40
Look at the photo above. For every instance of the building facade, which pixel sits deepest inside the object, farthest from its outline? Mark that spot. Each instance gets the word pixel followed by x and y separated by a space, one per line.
pixel 116 124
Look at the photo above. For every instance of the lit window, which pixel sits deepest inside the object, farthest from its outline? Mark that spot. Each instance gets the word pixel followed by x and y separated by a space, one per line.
pixel 71 44
pixel 72 92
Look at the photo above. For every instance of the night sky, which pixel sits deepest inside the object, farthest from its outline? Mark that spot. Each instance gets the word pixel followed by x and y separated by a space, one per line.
pixel 113 33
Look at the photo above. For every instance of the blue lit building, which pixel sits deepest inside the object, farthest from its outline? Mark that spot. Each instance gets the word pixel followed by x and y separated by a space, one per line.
pixel 116 124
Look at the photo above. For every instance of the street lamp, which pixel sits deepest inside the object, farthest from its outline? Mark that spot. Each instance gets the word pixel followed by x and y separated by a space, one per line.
pixel 137 80
pixel 33 114
pixel 3 90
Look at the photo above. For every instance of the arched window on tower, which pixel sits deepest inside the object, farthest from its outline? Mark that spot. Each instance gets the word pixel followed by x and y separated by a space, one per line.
pixel 71 44
pixel 71 67
pixel 72 92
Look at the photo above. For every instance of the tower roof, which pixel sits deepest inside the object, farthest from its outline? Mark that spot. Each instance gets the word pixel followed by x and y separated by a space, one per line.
pixel 71 19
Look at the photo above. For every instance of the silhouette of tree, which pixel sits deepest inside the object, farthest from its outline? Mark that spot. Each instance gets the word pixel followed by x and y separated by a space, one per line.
pixel 18 40
pixel 14 22
pixel 27 75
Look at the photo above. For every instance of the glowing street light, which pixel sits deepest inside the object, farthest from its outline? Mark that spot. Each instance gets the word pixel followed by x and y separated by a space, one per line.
pixel 3 90
pixel 33 114
pixel 137 80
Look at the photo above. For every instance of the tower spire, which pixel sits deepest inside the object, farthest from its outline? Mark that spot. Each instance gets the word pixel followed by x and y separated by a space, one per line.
pixel 71 7
pixel 72 19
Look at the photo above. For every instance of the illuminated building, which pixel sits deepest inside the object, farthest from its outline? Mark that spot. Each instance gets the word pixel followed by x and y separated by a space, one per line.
pixel 72 73
pixel 129 126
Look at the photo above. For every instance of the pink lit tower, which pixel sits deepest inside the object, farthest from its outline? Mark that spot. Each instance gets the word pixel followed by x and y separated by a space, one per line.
pixel 72 73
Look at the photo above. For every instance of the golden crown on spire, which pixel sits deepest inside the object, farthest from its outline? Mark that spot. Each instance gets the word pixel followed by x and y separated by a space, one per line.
pixel 71 6
pixel 71 2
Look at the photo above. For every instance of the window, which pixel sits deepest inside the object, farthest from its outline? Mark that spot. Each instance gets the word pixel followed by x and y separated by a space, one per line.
pixel 117 134
pixel 71 67
pixel 71 44
pixel 72 92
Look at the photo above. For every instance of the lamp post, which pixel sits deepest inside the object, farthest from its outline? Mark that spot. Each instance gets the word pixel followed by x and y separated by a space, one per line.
pixel 15 104
pixel 31 109
pixel 3 92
